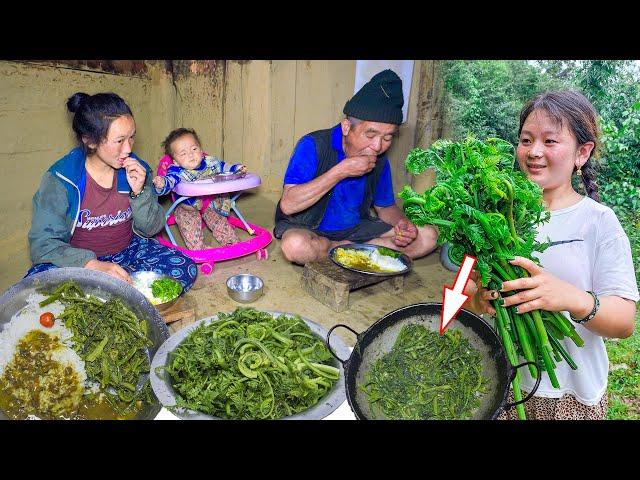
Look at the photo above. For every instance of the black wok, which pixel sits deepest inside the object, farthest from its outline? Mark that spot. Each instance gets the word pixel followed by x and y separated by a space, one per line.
pixel 379 338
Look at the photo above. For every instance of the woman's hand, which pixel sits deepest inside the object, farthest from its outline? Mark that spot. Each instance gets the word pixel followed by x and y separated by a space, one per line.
pixel 136 174
pixel 543 291
pixel 109 268
pixel 479 296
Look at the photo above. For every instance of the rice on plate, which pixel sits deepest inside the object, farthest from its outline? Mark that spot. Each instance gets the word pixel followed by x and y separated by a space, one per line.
pixel 58 369
pixel 370 260
pixel 106 322
pixel 28 319
pixel 386 262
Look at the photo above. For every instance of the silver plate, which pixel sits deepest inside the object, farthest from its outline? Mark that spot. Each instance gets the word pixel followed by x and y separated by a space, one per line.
pixel 102 286
pixel 404 258
pixel 161 383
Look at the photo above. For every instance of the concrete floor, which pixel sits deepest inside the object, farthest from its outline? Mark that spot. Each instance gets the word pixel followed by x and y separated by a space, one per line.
pixel 282 291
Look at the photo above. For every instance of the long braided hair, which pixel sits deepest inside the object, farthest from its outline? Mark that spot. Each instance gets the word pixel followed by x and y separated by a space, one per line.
pixel 582 120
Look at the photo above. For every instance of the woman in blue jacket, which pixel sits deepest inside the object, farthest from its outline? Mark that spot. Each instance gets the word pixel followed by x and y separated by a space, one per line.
pixel 96 207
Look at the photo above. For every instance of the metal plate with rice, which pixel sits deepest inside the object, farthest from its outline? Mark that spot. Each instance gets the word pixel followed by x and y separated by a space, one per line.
pixel 368 249
pixel 102 286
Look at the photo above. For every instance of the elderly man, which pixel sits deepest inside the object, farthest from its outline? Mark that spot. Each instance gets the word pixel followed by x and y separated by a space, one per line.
pixel 336 176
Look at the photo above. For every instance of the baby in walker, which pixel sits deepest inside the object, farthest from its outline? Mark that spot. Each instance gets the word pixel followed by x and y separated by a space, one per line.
pixel 189 164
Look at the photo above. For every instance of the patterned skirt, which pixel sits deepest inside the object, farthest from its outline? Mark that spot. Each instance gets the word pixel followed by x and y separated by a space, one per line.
pixel 566 407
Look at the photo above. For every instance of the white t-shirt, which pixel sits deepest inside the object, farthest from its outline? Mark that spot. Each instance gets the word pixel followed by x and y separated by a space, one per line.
pixel 591 251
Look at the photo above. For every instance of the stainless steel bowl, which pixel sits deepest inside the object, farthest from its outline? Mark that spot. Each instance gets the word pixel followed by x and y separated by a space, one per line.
pixel 244 288
pixel 102 286
pixel 143 279
pixel 163 389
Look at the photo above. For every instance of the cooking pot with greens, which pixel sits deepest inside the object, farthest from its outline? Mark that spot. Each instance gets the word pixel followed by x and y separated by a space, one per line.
pixel 402 368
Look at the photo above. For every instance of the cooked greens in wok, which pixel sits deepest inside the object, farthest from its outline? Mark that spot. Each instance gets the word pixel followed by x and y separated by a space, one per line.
pixel 426 376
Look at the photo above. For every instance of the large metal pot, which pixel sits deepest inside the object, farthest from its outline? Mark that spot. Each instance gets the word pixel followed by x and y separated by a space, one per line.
pixel 102 286
pixel 162 383
pixel 379 338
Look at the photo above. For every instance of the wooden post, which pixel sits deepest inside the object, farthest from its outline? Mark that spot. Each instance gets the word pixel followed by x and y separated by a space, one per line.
pixel 430 123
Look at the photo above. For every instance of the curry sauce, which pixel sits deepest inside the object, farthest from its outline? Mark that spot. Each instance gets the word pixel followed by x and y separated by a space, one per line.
pixel 33 383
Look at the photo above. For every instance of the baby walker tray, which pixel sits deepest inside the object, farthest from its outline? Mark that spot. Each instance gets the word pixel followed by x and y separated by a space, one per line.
pixel 260 237
pixel 222 177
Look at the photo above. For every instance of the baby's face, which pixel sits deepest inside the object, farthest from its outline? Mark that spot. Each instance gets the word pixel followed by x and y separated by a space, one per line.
pixel 186 152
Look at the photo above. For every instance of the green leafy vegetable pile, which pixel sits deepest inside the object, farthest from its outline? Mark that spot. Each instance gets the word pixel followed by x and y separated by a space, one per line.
pixel 426 376
pixel 486 208
pixel 112 342
pixel 251 365
pixel 389 253
pixel 166 289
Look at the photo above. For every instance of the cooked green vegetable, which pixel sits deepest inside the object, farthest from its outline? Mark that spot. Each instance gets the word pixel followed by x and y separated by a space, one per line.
pixel 426 376
pixel 389 253
pixel 251 365
pixel 33 383
pixel 486 208
pixel 166 289
pixel 112 342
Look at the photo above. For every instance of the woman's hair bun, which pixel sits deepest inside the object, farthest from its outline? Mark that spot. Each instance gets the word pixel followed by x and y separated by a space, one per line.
pixel 75 101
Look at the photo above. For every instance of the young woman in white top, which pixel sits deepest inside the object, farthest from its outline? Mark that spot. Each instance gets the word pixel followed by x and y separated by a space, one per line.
pixel 587 272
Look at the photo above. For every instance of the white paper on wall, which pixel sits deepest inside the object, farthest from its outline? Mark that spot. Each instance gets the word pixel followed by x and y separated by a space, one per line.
pixel 366 69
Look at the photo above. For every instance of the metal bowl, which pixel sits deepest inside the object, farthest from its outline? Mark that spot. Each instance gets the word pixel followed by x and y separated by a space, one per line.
pixel 144 279
pixel 445 260
pixel 244 288
pixel 163 389
pixel 102 286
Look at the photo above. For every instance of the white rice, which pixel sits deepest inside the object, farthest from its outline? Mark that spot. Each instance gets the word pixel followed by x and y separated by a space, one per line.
pixel 386 262
pixel 28 319
pixel 144 286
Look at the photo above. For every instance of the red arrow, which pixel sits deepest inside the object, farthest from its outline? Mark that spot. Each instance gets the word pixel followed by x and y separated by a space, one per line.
pixel 453 298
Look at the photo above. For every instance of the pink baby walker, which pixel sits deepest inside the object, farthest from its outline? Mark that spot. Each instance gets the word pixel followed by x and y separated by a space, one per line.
pixel 206 188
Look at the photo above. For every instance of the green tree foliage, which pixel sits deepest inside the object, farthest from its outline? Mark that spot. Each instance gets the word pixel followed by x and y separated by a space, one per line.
pixel 619 179
pixel 484 97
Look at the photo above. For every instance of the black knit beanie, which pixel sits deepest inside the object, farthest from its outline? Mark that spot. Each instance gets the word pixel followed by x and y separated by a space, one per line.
pixel 379 100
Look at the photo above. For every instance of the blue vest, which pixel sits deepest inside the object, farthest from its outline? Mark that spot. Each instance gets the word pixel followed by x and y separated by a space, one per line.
pixel 311 217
